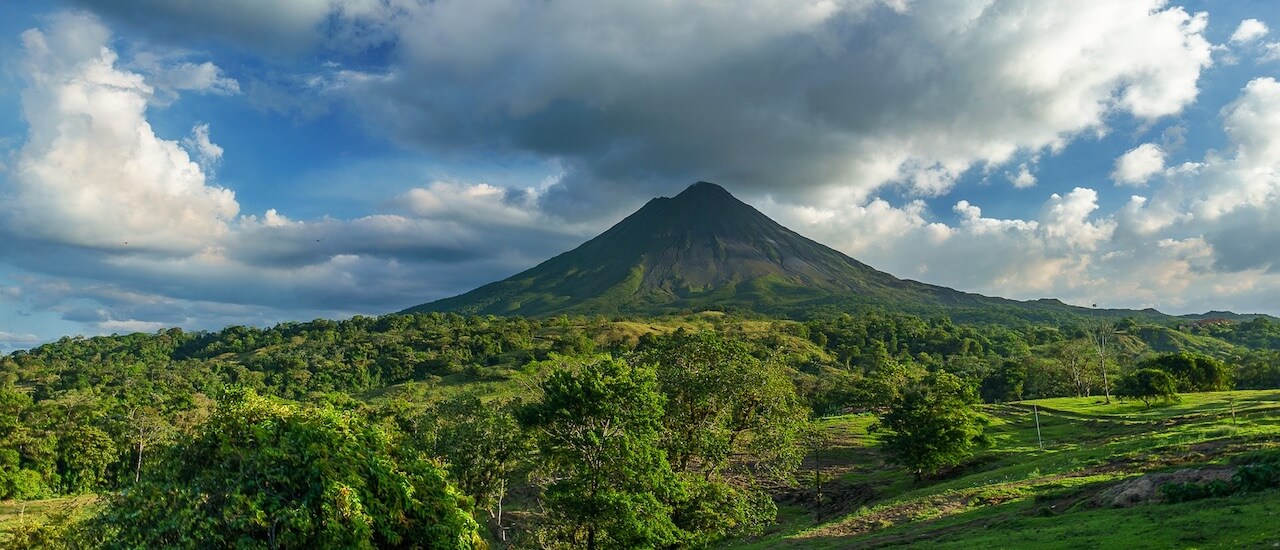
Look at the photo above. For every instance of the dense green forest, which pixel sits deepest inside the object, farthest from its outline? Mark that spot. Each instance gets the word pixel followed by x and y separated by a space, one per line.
pixel 568 431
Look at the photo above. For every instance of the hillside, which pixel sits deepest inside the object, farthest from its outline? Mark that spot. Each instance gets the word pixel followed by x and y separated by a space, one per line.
pixel 1094 484
pixel 706 250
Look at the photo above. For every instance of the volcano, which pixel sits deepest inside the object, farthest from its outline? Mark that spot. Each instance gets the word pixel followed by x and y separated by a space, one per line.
pixel 706 250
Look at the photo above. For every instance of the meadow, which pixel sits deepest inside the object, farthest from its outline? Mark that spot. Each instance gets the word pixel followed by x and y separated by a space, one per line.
pixel 1016 495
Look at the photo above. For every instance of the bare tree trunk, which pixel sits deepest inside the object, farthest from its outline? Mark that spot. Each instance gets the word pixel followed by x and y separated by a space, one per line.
pixel 137 468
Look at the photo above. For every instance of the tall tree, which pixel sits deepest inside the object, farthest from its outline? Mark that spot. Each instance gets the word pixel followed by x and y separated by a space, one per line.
pixel 482 444
pixel 597 427
pixel 722 401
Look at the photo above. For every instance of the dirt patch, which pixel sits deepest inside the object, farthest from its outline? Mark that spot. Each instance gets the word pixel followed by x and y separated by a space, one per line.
pixel 837 498
pixel 888 516
pixel 1146 488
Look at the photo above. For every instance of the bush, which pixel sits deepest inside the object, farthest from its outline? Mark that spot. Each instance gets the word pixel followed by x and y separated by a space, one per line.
pixel 1257 477
pixel 1185 492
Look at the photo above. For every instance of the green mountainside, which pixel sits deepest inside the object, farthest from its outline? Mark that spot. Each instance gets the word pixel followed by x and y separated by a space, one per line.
pixel 706 250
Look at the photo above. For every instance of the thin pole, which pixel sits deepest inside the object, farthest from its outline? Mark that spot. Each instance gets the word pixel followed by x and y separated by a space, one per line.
pixel 1036 410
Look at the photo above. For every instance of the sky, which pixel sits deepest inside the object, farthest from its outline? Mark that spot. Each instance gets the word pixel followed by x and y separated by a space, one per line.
pixel 203 164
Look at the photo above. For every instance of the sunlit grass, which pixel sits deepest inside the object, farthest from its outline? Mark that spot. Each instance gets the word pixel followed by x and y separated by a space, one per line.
pixel 1016 494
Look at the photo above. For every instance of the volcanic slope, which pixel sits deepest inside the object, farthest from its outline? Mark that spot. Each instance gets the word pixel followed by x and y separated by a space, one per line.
pixel 706 250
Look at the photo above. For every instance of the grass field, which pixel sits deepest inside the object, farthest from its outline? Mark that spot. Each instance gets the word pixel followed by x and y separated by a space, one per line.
pixel 1015 495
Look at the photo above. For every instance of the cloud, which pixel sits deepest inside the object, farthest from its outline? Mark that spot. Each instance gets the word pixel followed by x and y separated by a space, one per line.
pixel 1023 179
pixel 116 228
pixel 11 340
pixel 208 152
pixel 1271 52
pixel 1249 31
pixel 280 26
pixel 171 74
pixel 630 97
pixel 93 172
pixel 1205 239
pixel 1137 165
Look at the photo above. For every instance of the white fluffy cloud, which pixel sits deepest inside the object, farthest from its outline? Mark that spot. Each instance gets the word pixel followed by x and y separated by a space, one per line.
pixel 1206 239
pixel 169 75
pixel 208 152
pixel 93 172
pixel 1249 31
pixel 1137 165
pixel 121 229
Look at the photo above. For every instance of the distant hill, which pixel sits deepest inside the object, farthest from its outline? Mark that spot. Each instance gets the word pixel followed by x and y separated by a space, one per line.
pixel 706 250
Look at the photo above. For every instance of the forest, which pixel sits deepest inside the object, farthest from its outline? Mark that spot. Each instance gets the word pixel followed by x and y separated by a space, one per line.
pixel 450 431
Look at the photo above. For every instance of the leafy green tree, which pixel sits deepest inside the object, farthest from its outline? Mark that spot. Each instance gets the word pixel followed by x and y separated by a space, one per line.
pixel 86 453
pixel 932 424
pixel 1148 385
pixel 264 473
pixel 722 401
pixel 482 444
pixel 1192 372
pixel 1258 370
pixel 597 428
pixel 1005 383
pixel 886 382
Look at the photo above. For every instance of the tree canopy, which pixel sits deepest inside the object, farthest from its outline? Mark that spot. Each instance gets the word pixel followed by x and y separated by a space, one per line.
pixel 267 473
pixel 932 424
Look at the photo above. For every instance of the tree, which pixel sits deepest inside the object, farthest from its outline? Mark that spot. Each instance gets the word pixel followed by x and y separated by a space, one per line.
pixel 144 427
pixel 722 401
pixel 1073 356
pixel 266 473
pixel 1148 385
pixel 932 424
pixel 1099 339
pixel 1192 372
pixel 597 427
pixel 1005 383
pixel 482 445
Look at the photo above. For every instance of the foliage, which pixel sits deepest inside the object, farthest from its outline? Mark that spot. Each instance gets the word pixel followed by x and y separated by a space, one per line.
pixel 482 444
pixel 1192 372
pixel 721 401
pixel 1148 385
pixel 932 424
pixel 1006 383
pixel 597 428
pixel 264 473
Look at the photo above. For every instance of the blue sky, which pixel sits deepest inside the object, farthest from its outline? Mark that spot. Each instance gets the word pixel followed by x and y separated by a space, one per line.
pixel 172 162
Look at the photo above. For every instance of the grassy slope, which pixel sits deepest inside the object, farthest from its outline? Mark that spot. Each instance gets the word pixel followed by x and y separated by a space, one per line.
pixel 1015 495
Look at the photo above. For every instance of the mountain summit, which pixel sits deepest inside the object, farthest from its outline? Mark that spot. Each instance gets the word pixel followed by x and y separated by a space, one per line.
pixel 705 249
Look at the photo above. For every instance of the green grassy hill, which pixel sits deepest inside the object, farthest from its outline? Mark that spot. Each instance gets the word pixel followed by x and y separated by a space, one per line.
pixel 1016 495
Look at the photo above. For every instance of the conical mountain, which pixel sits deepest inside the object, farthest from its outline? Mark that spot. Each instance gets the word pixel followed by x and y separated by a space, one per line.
pixel 705 249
